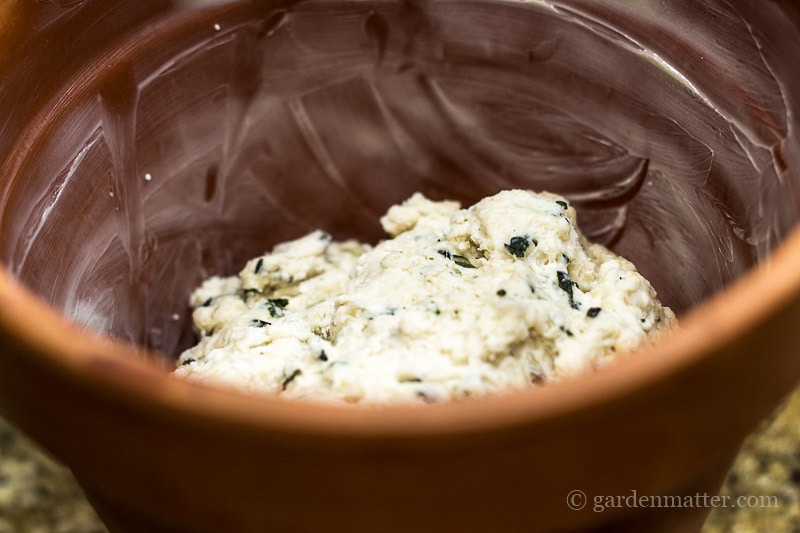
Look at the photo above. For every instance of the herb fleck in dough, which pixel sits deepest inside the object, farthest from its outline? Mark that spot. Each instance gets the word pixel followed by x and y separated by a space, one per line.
pixel 458 303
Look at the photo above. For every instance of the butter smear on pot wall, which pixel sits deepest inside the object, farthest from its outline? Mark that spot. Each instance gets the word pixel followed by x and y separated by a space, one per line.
pixel 459 302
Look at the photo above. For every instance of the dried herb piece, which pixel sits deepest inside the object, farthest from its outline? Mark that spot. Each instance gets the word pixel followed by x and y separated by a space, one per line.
pixel 593 312
pixel 275 306
pixel 566 285
pixel 564 205
pixel 188 361
pixel 259 265
pixel 322 356
pixel 207 302
pixel 288 379
pixel 258 323
pixel 517 246
pixel 412 379
pixel 501 292
pixel 566 259
pixel 462 261
pixel 564 282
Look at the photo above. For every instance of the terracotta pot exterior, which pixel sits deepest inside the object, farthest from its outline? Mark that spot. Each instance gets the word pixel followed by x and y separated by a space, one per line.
pixel 149 146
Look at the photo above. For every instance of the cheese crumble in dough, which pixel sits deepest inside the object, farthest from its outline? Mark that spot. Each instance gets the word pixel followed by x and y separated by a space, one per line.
pixel 460 302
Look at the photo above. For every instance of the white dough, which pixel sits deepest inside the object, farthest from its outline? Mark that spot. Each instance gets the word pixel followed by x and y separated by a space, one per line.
pixel 460 302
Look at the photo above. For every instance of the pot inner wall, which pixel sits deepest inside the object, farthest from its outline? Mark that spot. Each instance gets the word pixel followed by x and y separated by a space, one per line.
pixel 179 145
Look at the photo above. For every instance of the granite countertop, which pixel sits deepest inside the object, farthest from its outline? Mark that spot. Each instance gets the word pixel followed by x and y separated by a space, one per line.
pixel 37 495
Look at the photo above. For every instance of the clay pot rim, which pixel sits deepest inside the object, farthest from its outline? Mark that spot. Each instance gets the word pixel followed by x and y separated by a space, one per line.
pixel 116 371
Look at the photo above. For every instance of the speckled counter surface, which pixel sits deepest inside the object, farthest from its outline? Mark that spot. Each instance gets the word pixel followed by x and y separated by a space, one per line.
pixel 39 496
pixel 768 465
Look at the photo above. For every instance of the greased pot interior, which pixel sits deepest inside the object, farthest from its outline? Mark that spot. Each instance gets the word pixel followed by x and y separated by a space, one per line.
pixel 177 151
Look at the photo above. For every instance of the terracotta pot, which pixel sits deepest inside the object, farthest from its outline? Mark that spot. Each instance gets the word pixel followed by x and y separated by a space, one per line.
pixel 147 145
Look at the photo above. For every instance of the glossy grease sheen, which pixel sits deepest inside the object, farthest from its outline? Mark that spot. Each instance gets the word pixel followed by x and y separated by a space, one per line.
pixel 258 123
